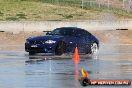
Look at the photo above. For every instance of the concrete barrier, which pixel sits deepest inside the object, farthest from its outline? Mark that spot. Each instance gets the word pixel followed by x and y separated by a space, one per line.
pixel 15 26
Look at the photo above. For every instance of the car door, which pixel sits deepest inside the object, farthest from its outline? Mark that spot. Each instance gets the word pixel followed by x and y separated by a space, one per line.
pixel 81 41
pixel 88 40
pixel 70 41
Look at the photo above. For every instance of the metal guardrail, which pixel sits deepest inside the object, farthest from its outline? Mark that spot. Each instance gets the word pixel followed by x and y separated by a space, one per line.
pixel 46 26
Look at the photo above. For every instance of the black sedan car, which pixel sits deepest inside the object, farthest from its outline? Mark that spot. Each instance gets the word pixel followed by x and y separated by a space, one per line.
pixel 63 40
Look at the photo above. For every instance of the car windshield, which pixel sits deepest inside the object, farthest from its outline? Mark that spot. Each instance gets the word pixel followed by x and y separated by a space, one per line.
pixel 63 31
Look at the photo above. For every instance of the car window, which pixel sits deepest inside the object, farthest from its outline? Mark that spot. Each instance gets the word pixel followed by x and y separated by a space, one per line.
pixel 63 31
pixel 86 33
pixel 79 32
pixel 83 33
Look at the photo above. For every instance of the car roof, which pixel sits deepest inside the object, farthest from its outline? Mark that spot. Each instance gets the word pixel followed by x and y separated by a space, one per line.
pixel 76 28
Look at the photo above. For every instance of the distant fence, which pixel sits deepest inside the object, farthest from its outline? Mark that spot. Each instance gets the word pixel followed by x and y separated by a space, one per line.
pixel 109 4
pixel 14 26
pixel 97 4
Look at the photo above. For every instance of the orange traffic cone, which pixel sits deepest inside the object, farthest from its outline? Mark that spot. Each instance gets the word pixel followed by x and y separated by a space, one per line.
pixel 76 57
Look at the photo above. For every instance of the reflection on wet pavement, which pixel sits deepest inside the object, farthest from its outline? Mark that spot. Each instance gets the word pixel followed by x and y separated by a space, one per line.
pixel 18 70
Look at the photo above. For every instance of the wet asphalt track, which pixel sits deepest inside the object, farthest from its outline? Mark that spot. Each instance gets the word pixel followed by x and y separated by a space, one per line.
pixel 19 70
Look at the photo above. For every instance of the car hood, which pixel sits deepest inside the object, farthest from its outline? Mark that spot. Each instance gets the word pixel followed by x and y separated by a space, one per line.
pixel 44 38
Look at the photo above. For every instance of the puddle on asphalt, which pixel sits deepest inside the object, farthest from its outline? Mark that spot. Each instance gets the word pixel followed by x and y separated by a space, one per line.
pixel 60 73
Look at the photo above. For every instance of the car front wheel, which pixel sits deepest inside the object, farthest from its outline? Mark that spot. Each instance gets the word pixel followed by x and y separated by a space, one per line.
pixel 60 48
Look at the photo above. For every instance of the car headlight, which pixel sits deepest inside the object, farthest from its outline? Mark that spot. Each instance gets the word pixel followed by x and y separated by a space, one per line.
pixel 50 41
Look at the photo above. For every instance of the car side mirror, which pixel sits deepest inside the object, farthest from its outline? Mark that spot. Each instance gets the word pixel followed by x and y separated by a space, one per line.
pixel 48 33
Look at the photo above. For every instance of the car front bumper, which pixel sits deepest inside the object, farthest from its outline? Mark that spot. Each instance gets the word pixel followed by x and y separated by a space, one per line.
pixel 40 48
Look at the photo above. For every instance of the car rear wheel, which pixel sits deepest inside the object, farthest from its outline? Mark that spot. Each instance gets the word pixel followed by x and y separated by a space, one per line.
pixel 60 48
pixel 94 48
